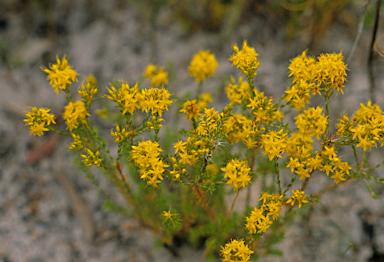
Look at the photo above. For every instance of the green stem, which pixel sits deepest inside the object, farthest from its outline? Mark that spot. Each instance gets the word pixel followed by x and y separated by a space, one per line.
pixel 199 89
pixel 278 175
pixel 290 184
pixel 326 97
pixel 356 157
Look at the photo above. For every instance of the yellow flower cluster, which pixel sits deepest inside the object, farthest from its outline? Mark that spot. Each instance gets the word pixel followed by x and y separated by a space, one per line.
pixel 299 144
pixel 155 100
pixel 326 161
pixel 236 250
pixel 75 112
pixel 38 120
pixel 93 159
pixel 87 93
pixel 274 143
pixel 126 97
pixel 263 109
pixel 240 93
pixel 312 122
pixel 77 142
pixel 246 60
pixel 330 70
pixel 309 74
pixel 298 196
pixel 367 126
pixel 120 134
pixel 146 157
pixel 210 123
pixel 203 64
pixel 60 74
pixel 301 67
pixel 158 75
pixel 331 163
pixel 238 127
pixel 154 122
pixel 237 173
pixel 189 152
pixel 299 93
pixel 260 218
pixel 204 100
pixel 192 109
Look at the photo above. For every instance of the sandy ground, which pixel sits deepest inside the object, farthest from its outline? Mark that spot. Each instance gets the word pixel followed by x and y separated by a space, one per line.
pixel 48 209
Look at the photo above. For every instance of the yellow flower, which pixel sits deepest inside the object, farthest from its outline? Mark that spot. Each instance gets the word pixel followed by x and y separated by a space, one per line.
pixel 155 100
pixel 167 215
pixel 150 71
pixel 237 172
pixel 240 93
pixel 120 134
pixel 204 100
pixel 298 196
pixel 93 159
pixel 330 70
pixel 146 157
pixel 157 75
pixel 263 108
pixel 299 94
pixel 88 92
pixel 274 143
pixel 236 250
pixel 60 74
pixel 77 142
pixel 203 64
pixel 74 113
pixel 246 60
pixel 312 122
pixel 128 98
pixel 192 109
pixel 38 120
pixel 302 67
pixel 238 128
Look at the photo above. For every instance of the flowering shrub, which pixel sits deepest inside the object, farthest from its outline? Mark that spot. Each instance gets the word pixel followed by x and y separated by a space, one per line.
pixel 221 152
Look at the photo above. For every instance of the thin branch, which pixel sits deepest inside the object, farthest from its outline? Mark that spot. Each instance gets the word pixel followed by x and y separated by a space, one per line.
pixel 359 32
pixel 371 52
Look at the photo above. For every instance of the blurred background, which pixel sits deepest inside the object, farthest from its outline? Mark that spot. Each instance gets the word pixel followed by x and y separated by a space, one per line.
pixel 49 211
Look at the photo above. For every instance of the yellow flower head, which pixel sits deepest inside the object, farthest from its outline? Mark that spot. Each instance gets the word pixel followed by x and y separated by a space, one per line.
pixel 126 97
pixel 146 157
pixel 274 143
pixel 236 250
pixel 93 159
pixel 192 109
pixel 155 100
pixel 38 120
pixel 238 128
pixel 240 93
pixel 298 196
pixel 157 75
pixel 330 70
pixel 88 92
pixel 203 64
pixel 60 74
pixel 237 172
pixel 246 60
pixel 299 94
pixel 77 142
pixel 204 100
pixel 74 113
pixel 301 67
pixel 312 122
